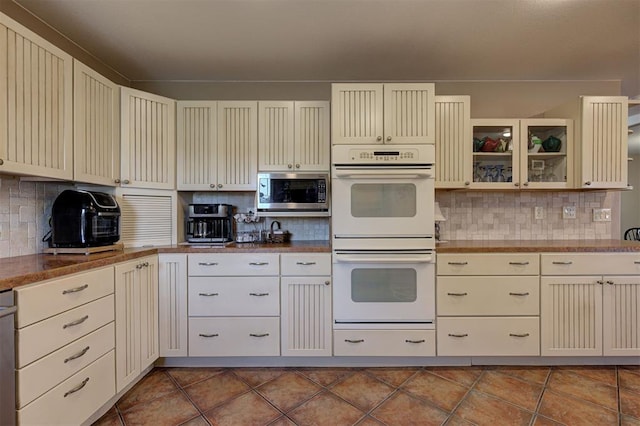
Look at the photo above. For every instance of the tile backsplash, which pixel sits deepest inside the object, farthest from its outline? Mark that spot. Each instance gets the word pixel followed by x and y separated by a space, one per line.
pixel 510 215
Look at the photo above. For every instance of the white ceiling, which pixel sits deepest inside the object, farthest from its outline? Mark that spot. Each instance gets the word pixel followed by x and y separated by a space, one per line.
pixel 355 40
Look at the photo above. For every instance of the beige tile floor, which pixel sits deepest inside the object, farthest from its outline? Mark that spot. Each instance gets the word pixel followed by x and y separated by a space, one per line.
pixel 538 396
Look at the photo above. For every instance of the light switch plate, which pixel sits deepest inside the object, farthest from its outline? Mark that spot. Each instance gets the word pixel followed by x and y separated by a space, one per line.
pixel 569 212
pixel 602 215
pixel 538 212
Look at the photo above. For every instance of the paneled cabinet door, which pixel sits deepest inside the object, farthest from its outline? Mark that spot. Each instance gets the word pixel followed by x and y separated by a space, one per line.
pixel 356 113
pixel 136 293
pixel 147 140
pixel 237 145
pixel 305 316
pixel 36 105
pixel 452 136
pixel 621 315
pixel 409 113
pixel 197 146
pixel 293 136
pixel 172 295
pixel 96 127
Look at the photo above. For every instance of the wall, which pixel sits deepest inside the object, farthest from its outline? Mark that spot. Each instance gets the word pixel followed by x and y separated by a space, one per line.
pixel 510 215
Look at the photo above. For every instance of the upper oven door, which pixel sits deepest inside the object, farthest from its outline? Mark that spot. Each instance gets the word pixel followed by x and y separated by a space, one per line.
pixel 386 202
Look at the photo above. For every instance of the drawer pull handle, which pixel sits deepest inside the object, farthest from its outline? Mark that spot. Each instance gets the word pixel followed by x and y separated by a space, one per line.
pixel 354 341
pixel 526 293
pixel 207 263
pixel 519 263
pixel 258 294
pixel 258 335
pixel 305 263
pixel 208 335
pixel 76 322
pixel 77 388
pixel 562 263
pixel 78 355
pixel 415 341
pixel 258 263
pixel 76 289
pixel 519 335
pixel 208 294
pixel 457 294
pixel 637 262
pixel 458 335
pixel 458 263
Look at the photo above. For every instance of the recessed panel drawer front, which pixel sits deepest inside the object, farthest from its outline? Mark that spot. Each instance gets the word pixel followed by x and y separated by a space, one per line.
pixel 46 336
pixel 590 264
pixel 225 336
pixel 75 399
pixel 234 296
pixel 301 264
pixel 44 374
pixel 49 298
pixel 384 343
pixel 489 264
pixel 500 295
pixel 487 336
pixel 233 264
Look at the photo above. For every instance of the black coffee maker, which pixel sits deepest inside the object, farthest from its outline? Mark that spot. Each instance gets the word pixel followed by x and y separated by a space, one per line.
pixel 210 223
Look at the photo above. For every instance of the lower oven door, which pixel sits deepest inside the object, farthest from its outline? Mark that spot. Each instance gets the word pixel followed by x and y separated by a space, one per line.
pixel 384 288
pixel 384 202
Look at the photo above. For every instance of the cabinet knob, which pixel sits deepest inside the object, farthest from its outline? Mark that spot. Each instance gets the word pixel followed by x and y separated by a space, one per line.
pixel 126 181
pixel 327 282
pixel 212 185
pixel 289 166
pixel 587 183
pixel 516 184
pixel 219 185
pixel 467 183
pixel 379 138
pixel 526 184
pixel 1 161
pixel 388 138
pixel 297 166
pixel 116 181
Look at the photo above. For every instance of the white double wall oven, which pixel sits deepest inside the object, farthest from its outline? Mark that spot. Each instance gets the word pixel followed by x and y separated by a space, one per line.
pixel 383 236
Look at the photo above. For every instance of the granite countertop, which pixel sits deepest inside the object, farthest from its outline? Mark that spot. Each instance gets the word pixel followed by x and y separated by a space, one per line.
pixel 537 246
pixel 21 270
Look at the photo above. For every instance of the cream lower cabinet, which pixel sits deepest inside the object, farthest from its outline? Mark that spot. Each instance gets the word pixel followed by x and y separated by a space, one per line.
pixel 234 304
pixel 65 348
pixel 136 307
pixel 172 304
pixel 488 304
pixel 305 304
pixel 590 304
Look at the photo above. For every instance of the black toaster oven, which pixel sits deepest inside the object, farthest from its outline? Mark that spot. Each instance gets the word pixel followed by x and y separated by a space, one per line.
pixel 84 219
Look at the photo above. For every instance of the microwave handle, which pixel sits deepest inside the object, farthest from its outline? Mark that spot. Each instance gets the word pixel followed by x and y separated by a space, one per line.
pixel 368 174
pixel 363 258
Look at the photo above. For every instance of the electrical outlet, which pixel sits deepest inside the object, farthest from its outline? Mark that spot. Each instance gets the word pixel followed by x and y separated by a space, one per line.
pixel 602 215
pixel 569 212
pixel 538 212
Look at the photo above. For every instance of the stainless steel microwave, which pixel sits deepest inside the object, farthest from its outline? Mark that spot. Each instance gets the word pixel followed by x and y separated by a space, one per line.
pixel 293 194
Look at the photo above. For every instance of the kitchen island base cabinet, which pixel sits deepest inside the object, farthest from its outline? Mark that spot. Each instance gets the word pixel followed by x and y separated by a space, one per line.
pixel 234 336
pixel 489 336
pixel 76 399
pixel 384 342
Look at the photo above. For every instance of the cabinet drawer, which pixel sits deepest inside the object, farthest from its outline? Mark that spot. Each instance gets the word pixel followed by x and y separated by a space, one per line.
pixel 42 375
pixel 234 296
pixel 225 336
pixel 301 264
pixel 49 298
pixel 384 342
pixel 234 264
pixel 501 295
pixel 489 264
pixel 47 336
pixel 62 406
pixel 477 336
pixel 590 264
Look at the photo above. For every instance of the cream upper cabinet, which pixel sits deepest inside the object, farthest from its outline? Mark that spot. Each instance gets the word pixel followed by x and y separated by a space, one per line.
pixel 402 113
pixel 36 112
pixel 522 154
pixel 293 136
pixel 148 140
pixel 602 139
pixel 217 145
pixel 96 127
pixel 452 136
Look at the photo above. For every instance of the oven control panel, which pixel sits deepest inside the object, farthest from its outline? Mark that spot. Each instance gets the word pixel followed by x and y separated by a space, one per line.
pixel 380 154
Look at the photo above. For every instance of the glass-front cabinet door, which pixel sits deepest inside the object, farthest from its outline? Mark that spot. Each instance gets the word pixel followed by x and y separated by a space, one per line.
pixel 547 147
pixel 496 153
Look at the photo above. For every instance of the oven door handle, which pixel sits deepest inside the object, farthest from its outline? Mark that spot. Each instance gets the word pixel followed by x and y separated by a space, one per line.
pixel 384 174
pixel 358 258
